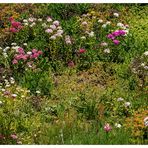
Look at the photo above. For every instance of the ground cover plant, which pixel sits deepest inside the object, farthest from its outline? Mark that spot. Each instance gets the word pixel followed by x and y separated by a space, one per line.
pixel 73 74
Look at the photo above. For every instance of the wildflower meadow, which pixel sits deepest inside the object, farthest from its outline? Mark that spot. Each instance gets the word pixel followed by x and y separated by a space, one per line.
pixel 73 74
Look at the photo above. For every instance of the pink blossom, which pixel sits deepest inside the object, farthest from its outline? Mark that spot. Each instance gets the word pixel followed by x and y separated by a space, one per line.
pixel 21 50
pixel 40 52
pixel 15 24
pixel 57 23
pixel 13 136
pixel 15 61
pixel 34 50
pixel 11 19
pixel 71 64
pixel 107 127
pixel 7 93
pixel 49 30
pixel 53 27
pixel 116 42
pixel 25 57
pixel 12 29
pixel 82 50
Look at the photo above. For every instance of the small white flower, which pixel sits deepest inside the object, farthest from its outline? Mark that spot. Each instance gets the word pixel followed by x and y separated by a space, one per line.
pixel 7 47
pixel 83 37
pixel 25 44
pixel 44 25
pixel 13 44
pixel 49 19
pixel 40 20
pixel 7 85
pixel 146 67
pixel 118 125
pixel 127 104
pixel 120 99
pixel 2 89
pixel 116 14
pixel 84 15
pixel 100 21
pixel 59 27
pixel 142 64
pixel 68 41
pixel 84 23
pixel 25 21
pixel 23 96
pixel 58 35
pixel 5 55
pixel 108 22
pixel 53 37
pixel 11 78
pixel 60 31
pixel 29 53
pixel 12 82
pixel 1 102
pixel 16 48
pixel 38 92
pixel 107 50
pixel 104 26
pixel 104 44
pixel 91 34
pixel 14 95
pixel 146 53
pixel 26 24
pixel 32 24
pixel 31 19
pixel 120 25
pixel 146 121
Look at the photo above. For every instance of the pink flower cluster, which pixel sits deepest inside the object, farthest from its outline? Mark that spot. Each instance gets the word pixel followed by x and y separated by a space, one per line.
pixel 107 127
pixel 81 51
pixel 34 54
pixel 115 34
pixel 15 26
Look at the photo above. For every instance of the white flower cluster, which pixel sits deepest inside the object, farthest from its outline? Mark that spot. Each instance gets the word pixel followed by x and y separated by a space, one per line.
pixel 31 21
pixel 67 39
pixel 126 104
pixel 146 121
pixel 53 28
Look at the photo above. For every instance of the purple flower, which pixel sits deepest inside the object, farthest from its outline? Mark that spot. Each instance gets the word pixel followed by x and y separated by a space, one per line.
pixel 116 33
pixel 110 36
pixel 122 32
pixel 116 42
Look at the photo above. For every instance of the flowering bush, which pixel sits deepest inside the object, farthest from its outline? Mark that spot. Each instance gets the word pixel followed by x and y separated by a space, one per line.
pixel 70 74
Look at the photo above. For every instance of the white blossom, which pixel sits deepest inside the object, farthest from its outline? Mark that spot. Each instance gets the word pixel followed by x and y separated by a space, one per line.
pixel 100 21
pixel 146 53
pixel 38 92
pixel 120 99
pixel 91 34
pixel 116 14
pixel 107 50
pixel 117 125
pixel 127 104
